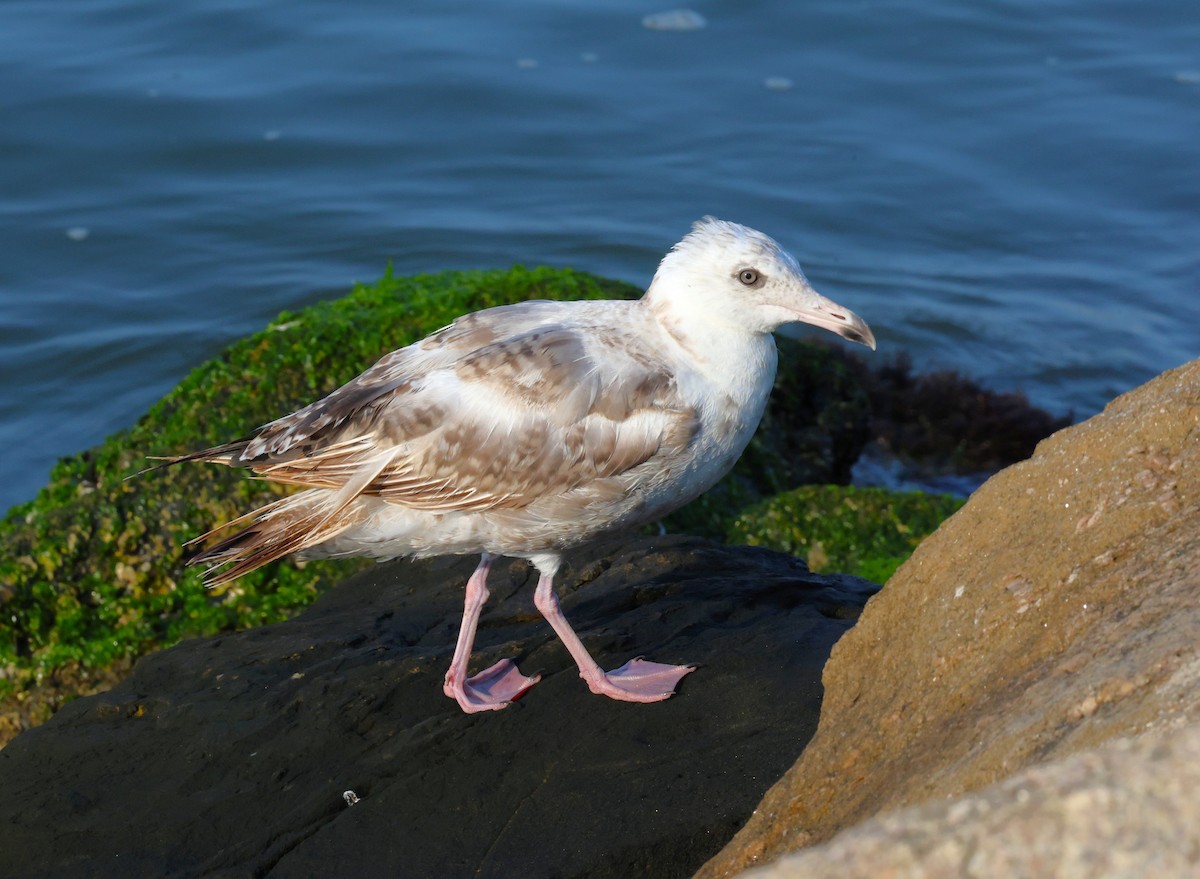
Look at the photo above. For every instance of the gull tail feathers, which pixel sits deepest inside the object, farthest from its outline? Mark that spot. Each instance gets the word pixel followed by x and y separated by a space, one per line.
pixel 279 529
pixel 226 453
pixel 286 526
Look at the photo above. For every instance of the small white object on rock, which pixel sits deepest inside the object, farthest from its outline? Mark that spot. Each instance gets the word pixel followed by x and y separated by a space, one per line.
pixel 350 797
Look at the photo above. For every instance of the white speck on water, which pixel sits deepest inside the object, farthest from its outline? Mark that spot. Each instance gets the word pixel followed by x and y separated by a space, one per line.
pixel 675 20
pixel 778 83
pixel 1187 77
pixel 589 57
pixel 527 63
pixel 350 797
pixel 272 134
pixel 78 233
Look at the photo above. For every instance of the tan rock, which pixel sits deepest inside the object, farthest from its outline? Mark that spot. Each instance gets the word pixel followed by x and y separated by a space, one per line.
pixel 1126 809
pixel 1057 610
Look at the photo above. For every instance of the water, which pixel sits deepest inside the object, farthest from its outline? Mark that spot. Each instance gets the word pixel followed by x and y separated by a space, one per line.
pixel 1006 188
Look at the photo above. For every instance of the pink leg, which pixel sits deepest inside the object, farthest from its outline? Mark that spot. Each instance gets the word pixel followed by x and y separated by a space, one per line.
pixel 495 687
pixel 635 681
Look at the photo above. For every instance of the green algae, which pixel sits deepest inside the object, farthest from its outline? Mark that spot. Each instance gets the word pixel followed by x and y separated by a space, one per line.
pixel 869 532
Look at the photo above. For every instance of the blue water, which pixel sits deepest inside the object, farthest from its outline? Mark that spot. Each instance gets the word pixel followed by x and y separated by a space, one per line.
pixel 1011 189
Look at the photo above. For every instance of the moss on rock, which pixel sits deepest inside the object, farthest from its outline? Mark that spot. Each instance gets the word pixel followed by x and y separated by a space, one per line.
pixel 863 531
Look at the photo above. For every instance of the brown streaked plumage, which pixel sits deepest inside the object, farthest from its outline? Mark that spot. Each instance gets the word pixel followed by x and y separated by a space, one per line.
pixel 527 429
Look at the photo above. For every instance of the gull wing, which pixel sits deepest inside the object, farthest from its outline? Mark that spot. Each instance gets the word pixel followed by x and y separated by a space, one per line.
pixel 499 409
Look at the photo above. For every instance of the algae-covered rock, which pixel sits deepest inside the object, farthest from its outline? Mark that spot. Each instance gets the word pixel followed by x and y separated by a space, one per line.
pixel 864 531
pixel 944 422
pixel 92 571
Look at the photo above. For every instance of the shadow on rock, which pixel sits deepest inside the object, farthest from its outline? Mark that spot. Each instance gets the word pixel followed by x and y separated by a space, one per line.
pixel 324 745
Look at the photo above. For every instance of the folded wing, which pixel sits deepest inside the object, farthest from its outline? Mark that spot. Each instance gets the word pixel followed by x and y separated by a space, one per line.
pixel 498 410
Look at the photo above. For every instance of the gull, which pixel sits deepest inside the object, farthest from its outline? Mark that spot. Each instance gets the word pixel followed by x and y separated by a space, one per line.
pixel 527 429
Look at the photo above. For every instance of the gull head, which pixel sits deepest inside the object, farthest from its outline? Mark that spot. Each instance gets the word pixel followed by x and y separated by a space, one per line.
pixel 737 275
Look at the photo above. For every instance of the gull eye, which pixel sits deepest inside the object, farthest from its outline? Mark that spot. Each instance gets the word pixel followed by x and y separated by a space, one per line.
pixel 749 277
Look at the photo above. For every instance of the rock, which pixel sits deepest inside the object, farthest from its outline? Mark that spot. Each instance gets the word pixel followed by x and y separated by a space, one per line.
pixel 324 745
pixel 1128 808
pixel 944 422
pixel 1055 612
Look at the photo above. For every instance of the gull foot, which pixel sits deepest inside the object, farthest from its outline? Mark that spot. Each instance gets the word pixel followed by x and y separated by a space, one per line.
pixel 490 690
pixel 640 681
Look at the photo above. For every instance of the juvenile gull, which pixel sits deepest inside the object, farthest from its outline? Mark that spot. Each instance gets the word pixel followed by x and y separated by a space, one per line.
pixel 527 429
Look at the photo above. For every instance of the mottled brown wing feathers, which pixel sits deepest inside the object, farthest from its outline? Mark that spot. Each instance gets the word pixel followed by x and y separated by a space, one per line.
pixel 473 419
pixel 352 408
pixel 288 525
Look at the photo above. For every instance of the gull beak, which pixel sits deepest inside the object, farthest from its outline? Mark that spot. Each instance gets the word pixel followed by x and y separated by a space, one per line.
pixel 827 314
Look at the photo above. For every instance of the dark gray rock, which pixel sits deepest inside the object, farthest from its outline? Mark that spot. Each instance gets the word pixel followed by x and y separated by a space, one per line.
pixel 230 756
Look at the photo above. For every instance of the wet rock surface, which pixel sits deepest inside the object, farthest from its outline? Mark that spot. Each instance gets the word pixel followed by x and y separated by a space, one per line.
pixel 1056 612
pixel 324 745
